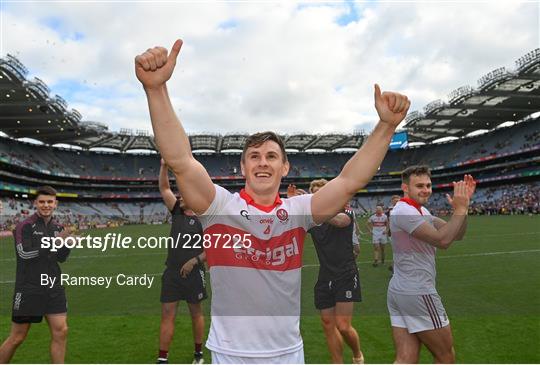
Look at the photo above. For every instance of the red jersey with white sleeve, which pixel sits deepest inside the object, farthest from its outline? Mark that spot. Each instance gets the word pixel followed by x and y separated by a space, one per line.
pixel 255 260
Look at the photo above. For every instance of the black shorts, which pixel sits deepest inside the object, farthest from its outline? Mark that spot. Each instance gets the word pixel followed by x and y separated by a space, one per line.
pixel 174 287
pixel 330 292
pixel 30 307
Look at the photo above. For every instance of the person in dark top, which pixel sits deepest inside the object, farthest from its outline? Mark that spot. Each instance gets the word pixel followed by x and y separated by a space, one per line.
pixel 338 285
pixel 183 278
pixel 32 298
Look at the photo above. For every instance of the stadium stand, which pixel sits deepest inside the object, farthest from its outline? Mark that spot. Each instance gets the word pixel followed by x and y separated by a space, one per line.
pixel 108 188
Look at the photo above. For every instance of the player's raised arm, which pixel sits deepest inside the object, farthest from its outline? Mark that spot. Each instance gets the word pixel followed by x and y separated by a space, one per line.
pixel 442 236
pixel 165 188
pixel 358 171
pixel 153 69
pixel 470 188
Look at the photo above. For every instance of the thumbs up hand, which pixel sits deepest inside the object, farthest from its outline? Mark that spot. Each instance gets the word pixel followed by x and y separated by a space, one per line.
pixel 154 67
pixel 392 107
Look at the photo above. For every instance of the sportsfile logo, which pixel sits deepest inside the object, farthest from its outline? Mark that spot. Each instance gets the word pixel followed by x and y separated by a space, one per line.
pixel 275 257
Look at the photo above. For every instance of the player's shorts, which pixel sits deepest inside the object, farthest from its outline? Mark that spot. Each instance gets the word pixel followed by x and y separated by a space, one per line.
pixel 174 287
pixel 380 239
pixel 328 293
pixel 30 308
pixel 296 357
pixel 417 313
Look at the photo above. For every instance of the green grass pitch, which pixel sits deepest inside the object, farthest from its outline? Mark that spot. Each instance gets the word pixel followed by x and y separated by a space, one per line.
pixel 489 283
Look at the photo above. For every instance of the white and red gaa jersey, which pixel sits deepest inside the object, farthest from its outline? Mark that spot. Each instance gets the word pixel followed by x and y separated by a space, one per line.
pixel 414 260
pixel 255 305
pixel 379 224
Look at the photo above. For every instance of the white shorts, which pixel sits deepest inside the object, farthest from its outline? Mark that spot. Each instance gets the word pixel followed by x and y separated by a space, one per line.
pixel 380 239
pixel 417 313
pixel 296 357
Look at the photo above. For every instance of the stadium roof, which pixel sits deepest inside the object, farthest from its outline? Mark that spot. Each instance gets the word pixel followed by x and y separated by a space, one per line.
pixel 28 110
pixel 501 96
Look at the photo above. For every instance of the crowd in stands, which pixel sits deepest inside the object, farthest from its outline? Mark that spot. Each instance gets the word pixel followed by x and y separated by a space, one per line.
pixel 101 164
pixel 494 200
pixel 510 199
pixel 86 215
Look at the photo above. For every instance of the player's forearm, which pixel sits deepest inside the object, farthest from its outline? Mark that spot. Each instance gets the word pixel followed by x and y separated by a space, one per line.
pixel 202 257
pixel 462 230
pixel 361 168
pixel 199 259
pixel 450 231
pixel 171 139
pixel 164 184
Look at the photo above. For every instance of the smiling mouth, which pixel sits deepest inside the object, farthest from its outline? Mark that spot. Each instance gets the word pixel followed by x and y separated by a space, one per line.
pixel 262 174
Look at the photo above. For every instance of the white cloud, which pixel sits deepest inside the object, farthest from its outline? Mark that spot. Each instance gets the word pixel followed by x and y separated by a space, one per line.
pixel 274 66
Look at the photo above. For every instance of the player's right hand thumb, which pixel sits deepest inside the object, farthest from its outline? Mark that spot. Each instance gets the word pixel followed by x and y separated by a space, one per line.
pixel 377 93
pixel 175 50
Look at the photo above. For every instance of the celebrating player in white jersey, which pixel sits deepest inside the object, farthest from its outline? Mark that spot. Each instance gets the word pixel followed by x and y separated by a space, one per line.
pixel 255 309
pixel 416 311
pixel 378 226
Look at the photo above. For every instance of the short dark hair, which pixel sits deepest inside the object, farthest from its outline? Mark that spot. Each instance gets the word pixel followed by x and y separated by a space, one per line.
pixel 257 139
pixel 414 170
pixel 45 190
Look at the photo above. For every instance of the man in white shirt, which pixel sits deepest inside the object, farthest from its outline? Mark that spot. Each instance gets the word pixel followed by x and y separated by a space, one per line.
pixel 253 239
pixel 378 226
pixel 416 310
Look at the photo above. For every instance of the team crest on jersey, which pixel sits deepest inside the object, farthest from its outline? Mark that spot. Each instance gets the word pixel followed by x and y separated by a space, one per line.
pixel 348 294
pixel 282 215
pixel 191 221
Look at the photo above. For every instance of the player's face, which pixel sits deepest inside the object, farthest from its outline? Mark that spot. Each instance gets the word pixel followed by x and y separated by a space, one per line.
pixel 395 201
pixel 45 205
pixel 418 188
pixel 263 167
pixel 379 210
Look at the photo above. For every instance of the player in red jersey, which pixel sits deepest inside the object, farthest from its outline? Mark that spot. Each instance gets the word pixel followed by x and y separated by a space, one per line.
pixel 263 277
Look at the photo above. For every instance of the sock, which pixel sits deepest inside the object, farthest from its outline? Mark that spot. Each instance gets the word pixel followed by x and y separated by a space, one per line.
pixel 163 354
pixel 198 348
